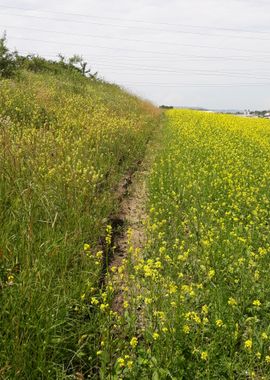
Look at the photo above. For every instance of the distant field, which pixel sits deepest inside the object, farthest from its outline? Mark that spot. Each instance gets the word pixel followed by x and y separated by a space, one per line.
pixel 199 293
pixel 65 143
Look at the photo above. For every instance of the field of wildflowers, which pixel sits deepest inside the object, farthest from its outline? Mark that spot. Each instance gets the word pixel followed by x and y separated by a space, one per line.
pixel 197 304
pixel 65 143
pixel 195 298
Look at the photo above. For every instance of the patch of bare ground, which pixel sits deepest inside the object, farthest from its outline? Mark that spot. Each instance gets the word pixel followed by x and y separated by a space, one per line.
pixel 132 192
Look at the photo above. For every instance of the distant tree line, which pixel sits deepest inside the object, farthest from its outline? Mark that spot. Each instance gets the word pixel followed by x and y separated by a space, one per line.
pixel 165 107
pixel 11 62
pixel 260 113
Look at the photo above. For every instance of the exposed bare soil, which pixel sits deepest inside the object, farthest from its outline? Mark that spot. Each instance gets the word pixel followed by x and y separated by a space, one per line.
pixel 132 192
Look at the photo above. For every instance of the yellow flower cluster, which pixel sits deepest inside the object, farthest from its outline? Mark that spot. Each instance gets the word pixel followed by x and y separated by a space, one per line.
pixel 205 262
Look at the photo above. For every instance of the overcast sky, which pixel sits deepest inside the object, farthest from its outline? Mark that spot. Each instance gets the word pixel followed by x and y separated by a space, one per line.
pixel 207 53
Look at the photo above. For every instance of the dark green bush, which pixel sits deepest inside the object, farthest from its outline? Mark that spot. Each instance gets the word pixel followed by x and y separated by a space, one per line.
pixel 8 62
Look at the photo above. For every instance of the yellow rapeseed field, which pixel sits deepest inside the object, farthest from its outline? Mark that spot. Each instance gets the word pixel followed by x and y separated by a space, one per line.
pixel 198 300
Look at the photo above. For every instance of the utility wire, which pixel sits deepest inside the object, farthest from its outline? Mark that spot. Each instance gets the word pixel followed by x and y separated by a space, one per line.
pixel 132 26
pixel 197 85
pixel 182 70
pixel 122 68
pixel 191 57
pixel 105 47
pixel 139 20
pixel 105 37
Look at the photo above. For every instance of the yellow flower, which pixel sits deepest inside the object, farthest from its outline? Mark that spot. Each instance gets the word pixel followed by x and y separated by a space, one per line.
pixel 10 279
pixel 155 336
pixel 264 336
pixel 267 359
pixel 103 306
pixel 99 254
pixel 121 362
pixel 211 273
pixel 205 320
pixel 256 303
pixel 148 301
pixel 129 364
pixel 204 355
pixel 108 237
pixel 248 344
pixel 186 329
pixel 94 301
pixel 232 301
pixel 205 309
pixel 133 342
pixel 219 323
pixel 86 247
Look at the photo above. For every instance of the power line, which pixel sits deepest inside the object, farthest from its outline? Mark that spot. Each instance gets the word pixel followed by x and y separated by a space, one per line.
pixel 103 47
pixel 130 26
pixel 175 71
pixel 197 85
pixel 190 85
pixel 122 68
pixel 116 38
pixel 139 20
pixel 190 57
pixel 182 70
pixel 189 45
pixel 145 68
pixel 95 46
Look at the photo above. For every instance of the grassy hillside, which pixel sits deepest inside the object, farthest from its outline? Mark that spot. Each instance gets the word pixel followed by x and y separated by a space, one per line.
pixel 65 142
pixel 198 294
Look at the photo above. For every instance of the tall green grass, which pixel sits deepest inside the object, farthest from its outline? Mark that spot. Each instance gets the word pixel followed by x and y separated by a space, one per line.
pixel 65 142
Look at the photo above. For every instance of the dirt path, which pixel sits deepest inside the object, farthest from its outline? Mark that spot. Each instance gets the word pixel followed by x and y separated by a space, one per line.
pixel 132 213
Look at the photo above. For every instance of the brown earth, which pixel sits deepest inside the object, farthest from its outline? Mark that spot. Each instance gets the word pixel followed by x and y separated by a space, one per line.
pixel 132 193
